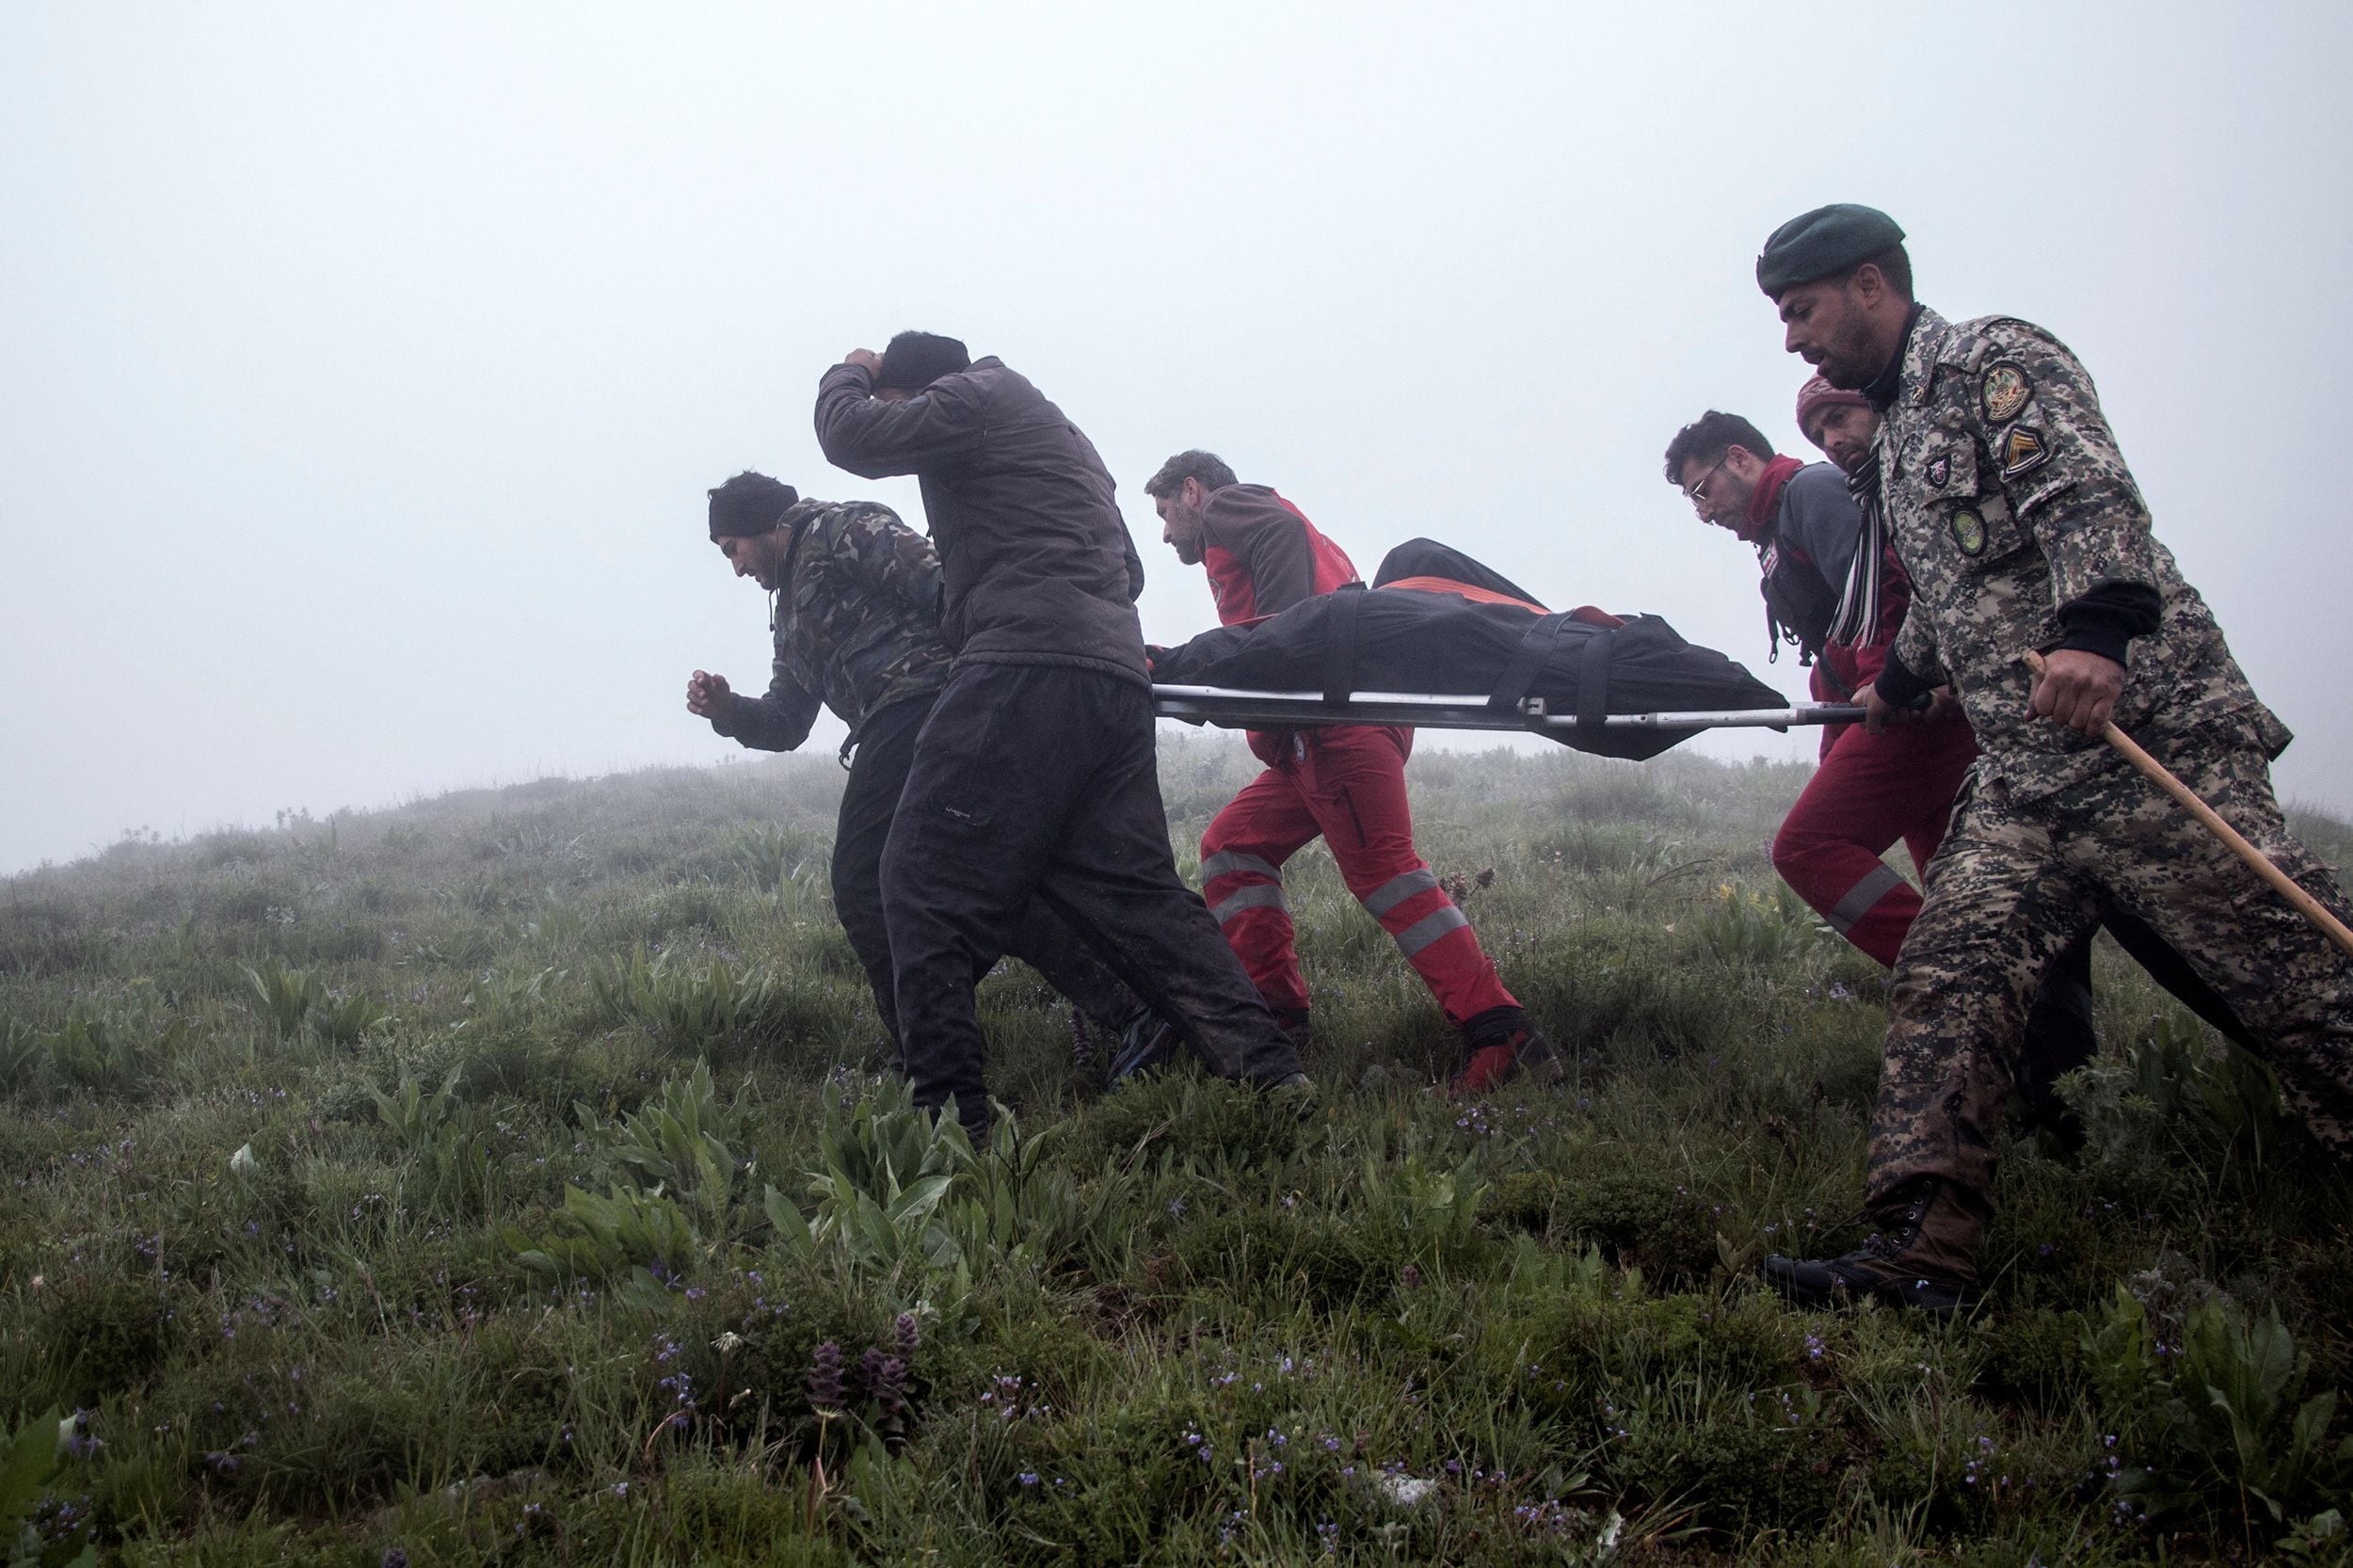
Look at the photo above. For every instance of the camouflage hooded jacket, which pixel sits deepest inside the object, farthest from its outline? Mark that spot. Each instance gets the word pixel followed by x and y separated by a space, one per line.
pixel 2008 500
pixel 856 624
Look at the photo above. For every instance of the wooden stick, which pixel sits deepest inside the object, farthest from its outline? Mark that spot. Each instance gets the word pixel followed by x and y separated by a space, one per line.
pixel 2284 885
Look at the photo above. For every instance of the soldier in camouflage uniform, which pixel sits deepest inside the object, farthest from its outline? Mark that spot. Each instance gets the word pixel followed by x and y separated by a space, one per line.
pixel 856 624
pixel 2022 530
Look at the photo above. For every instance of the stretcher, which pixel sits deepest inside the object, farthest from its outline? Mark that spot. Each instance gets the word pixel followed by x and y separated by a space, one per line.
pixel 1248 710
pixel 1443 641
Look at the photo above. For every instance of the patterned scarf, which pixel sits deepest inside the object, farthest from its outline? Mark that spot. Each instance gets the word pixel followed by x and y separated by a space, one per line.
pixel 1858 613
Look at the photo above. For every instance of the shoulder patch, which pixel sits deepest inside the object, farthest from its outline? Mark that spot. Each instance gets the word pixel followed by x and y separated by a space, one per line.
pixel 2023 449
pixel 1969 533
pixel 1938 470
pixel 2004 390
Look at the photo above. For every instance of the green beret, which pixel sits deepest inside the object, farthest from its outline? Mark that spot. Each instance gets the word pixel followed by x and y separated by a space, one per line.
pixel 1824 242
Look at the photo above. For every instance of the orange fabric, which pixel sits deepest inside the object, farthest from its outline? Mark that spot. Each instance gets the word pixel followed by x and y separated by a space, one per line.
pixel 1463 590
pixel 1585 612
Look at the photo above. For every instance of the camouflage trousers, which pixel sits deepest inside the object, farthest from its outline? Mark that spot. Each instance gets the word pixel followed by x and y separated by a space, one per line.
pixel 2018 879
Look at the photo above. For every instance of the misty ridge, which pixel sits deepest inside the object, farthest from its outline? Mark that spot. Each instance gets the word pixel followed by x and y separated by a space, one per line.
pixel 557 1105
pixel 318 351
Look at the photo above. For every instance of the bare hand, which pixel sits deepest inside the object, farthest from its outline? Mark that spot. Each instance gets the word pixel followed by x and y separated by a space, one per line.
pixel 1877 712
pixel 1943 704
pixel 706 694
pixel 865 359
pixel 2077 688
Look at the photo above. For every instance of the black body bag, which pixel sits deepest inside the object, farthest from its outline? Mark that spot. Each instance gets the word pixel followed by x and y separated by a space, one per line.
pixel 1424 639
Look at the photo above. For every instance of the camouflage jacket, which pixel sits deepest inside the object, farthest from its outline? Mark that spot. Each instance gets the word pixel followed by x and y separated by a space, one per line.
pixel 2006 499
pixel 856 624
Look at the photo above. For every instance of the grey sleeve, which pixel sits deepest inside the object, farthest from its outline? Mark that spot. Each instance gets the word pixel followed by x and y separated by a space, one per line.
pixel 1820 517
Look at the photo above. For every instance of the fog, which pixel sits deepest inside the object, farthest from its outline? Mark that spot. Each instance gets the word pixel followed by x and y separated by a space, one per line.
pixel 362 368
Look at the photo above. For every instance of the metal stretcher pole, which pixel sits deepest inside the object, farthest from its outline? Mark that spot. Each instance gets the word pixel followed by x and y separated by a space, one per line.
pixel 1223 706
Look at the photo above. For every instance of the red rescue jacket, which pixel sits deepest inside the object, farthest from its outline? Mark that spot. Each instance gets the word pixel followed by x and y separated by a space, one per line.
pixel 1263 556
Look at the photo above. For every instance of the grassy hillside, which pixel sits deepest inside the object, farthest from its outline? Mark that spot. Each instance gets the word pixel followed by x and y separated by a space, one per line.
pixel 503 1178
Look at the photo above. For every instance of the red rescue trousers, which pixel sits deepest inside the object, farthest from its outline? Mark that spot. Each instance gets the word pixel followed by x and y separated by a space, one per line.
pixel 1869 792
pixel 1347 784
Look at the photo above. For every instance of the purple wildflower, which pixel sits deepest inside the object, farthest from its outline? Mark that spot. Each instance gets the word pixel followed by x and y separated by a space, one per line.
pixel 886 1384
pixel 78 1443
pixel 825 1378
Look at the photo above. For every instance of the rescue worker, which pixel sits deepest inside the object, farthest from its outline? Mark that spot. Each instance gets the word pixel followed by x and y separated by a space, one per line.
pixel 1034 776
pixel 1843 423
pixel 1834 590
pixel 1343 783
pixel 1845 426
pixel 1870 791
pixel 2022 531
pixel 855 606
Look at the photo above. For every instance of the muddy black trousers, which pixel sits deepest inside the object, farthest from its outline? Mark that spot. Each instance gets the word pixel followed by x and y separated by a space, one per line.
pixel 1038 783
pixel 878 774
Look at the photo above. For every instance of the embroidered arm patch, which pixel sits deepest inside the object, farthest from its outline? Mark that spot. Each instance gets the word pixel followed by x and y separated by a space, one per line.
pixel 2004 390
pixel 2023 449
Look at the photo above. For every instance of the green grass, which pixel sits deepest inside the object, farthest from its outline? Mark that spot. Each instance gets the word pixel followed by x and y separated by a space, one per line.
pixel 503 1179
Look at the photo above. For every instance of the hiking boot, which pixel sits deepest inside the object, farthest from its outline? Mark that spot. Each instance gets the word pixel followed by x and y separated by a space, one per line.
pixel 1147 1043
pixel 2056 1130
pixel 1294 1023
pixel 1924 1256
pixel 1501 1045
pixel 1293 1092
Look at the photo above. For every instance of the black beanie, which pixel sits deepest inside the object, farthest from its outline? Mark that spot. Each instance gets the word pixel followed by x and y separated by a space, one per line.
pixel 749 504
pixel 915 359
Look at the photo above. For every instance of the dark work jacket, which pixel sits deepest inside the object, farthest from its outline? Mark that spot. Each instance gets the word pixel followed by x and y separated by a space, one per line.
pixel 1037 566
pixel 1804 550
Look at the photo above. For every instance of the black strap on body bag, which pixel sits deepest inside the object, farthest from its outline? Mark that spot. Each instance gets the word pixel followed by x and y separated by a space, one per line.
pixel 1593 679
pixel 1340 643
pixel 1535 647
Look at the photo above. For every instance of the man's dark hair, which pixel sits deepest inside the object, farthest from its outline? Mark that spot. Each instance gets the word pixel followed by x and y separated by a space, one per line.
pixel 1208 467
pixel 1709 438
pixel 1894 264
pixel 749 504
pixel 915 359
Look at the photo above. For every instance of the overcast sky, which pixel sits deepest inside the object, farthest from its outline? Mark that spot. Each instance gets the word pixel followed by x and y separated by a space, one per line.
pixel 362 368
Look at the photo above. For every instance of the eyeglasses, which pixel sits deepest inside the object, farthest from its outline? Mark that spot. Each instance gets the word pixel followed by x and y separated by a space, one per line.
pixel 1697 493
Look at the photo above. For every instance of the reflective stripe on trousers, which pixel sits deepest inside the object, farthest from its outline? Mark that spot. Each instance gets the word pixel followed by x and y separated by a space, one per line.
pixel 1347 786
